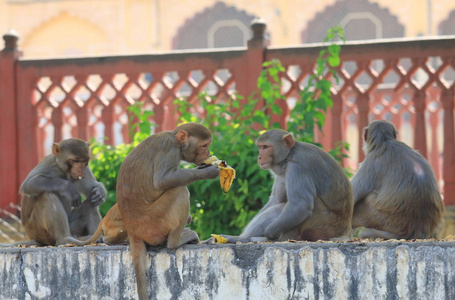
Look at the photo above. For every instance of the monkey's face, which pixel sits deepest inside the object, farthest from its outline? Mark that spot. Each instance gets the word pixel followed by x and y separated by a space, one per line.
pixel 196 151
pixel 202 152
pixel 265 157
pixel 77 168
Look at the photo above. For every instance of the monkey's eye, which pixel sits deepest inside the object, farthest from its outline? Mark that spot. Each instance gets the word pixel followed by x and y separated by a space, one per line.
pixel 75 161
pixel 263 147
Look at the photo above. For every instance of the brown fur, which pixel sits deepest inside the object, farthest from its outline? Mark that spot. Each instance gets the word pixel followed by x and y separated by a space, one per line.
pixel 395 190
pixel 52 212
pixel 112 227
pixel 152 195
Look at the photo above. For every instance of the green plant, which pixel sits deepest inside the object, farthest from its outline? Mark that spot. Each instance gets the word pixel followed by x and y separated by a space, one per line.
pixel 315 98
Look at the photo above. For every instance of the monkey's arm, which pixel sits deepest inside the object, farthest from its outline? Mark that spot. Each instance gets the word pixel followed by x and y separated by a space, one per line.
pixel 278 194
pixel 36 184
pixel 361 183
pixel 168 175
pixel 183 177
pixel 300 192
pixel 93 190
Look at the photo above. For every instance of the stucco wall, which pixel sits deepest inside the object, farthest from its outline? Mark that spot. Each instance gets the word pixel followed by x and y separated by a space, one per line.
pixel 243 271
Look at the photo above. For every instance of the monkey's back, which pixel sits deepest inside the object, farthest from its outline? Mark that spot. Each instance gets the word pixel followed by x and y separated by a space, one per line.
pixel 407 190
pixel 135 189
pixel 332 182
pixel 334 197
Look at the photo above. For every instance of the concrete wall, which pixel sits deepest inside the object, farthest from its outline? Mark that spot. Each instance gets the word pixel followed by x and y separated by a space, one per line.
pixel 243 271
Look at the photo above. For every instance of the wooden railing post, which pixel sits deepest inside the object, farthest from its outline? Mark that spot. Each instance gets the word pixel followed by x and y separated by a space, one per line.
pixel 82 124
pixel 247 82
pixel 363 104
pixel 108 120
pixel 9 183
pixel 335 120
pixel 448 168
pixel 57 121
pixel 420 135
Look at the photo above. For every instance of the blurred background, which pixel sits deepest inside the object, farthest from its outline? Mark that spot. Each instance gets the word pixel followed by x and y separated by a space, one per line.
pixel 62 28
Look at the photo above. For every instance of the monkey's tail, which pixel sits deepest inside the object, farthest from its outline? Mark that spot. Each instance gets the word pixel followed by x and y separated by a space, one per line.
pixel 138 252
pixel 96 235
pixel 25 243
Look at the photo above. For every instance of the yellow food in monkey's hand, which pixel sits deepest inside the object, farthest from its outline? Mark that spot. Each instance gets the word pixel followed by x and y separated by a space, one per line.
pixel 218 239
pixel 227 173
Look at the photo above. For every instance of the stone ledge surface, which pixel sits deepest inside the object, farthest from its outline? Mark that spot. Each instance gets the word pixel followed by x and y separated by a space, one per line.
pixel 386 270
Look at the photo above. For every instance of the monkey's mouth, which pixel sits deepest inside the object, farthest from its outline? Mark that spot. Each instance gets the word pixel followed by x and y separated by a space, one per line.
pixel 77 176
pixel 264 166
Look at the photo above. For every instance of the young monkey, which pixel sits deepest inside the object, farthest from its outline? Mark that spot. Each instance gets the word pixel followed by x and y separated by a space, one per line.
pixel 52 211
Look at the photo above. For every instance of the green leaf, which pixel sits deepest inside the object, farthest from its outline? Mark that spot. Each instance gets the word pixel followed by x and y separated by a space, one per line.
pixel 334 61
pixel 276 109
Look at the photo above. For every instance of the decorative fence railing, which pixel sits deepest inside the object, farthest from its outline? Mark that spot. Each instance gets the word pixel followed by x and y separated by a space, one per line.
pixel 409 82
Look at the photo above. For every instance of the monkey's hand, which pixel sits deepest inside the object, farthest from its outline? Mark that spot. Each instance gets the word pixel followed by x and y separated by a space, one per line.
pixel 210 172
pixel 271 233
pixel 96 196
pixel 71 196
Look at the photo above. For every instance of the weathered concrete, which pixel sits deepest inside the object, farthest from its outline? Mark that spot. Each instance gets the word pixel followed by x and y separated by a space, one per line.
pixel 393 270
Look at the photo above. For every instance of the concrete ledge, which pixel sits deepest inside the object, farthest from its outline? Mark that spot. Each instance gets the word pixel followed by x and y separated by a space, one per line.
pixel 388 270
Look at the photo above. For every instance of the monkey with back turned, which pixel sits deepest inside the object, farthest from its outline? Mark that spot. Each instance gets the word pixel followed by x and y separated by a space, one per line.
pixel 396 194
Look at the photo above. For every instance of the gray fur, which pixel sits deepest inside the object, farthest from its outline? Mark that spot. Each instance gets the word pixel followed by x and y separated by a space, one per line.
pixel 395 189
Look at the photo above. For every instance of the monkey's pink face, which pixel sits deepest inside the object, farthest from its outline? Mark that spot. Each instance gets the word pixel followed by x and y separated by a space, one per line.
pixel 265 157
pixel 77 168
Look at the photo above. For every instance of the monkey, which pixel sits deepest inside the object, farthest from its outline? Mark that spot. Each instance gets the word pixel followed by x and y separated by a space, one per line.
pixel 311 196
pixel 112 227
pixel 51 209
pixel 396 195
pixel 152 192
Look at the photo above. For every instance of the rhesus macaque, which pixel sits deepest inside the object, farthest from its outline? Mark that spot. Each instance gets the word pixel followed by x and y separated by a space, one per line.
pixel 112 227
pixel 152 195
pixel 52 212
pixel 311 196
pixel 395 190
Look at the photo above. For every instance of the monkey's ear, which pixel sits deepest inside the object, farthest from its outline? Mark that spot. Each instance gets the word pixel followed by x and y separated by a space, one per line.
pixel 182 137
pixel 289 140
pixel 56 149
pixel 395 133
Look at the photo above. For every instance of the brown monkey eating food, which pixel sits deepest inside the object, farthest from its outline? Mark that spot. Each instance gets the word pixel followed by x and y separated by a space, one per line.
pixel 152 191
